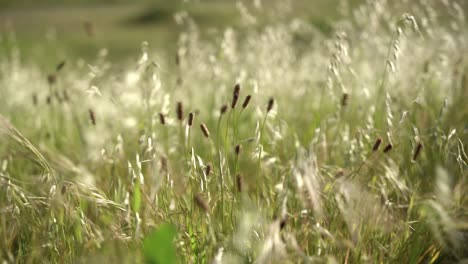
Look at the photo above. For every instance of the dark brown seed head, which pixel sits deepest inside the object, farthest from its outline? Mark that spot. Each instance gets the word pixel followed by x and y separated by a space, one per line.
pixel 162 119
pixel 163 164
pixel 51 79
pixel 190 118
pixel 208 169
pixel 417 151
pixel 235 95
pixel 239 183
pixel 388 148
pixel 271 102
pixel 201 202
pixel 339 174
pixel 246 101
pixel 238 149
pixel 235 98
pixel 223 109
pixel 180 111
pixel 377 143
pixel 64 189
pixel 236 89
pixel 283 222
pixel 344 100
pixel 60 66
pixel 92 117
pixel 49 100
pixel 205 130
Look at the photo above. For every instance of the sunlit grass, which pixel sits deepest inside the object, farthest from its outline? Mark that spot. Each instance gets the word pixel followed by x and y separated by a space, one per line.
pixel 350 148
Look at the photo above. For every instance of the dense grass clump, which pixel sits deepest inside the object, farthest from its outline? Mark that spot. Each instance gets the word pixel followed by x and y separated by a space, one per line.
pixel 270 142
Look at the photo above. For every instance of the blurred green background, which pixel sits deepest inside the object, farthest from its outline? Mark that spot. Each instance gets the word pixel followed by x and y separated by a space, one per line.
pixel 48 31
pixel 53 30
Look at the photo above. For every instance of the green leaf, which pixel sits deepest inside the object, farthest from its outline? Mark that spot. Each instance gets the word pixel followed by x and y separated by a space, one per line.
pixel 158 246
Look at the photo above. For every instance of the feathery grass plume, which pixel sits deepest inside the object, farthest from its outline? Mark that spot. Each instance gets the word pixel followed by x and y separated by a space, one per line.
pixel 239 182
pixel 190 119
pixel 92 117
pixel 60 66
pixel 201 202
pixel 180 111
pixel 208 169
pixel 238 149
pixel 223 109
pixel 246 101
pixel 162 119
pixel 7 128
pixel 235 96
pixel 205 130
pixel 271 102
pixel 344 99
pixel 417 151
pixel 51 79
pixel 377 143
pixel 388 148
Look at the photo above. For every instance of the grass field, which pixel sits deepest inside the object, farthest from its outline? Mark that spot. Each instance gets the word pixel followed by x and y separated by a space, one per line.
pixel 234 132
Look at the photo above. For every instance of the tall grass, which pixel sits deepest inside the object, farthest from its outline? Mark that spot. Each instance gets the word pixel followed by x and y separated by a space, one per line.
pixel 347 148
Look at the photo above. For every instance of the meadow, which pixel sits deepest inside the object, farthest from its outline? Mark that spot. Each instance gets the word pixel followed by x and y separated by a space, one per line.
pixel 234 132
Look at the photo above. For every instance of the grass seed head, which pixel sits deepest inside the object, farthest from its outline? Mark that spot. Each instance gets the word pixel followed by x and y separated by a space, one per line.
pixel 180 111
pixel 51 79
pixel 92 117
pixel 162 119
pixel 271 103
pixel 417 151
pixel 60 66
pixel 344 100
pixel 239 182
pixel 223 109
pixel 377 143
pixel 235 96
pixel 205 130
pixel 190 119
pixel 388 148
pixel 208 169
pixel 283 222
pixel 246 101
pixel 238 149
pixel 201 202
pixel 236 89
pixel 163 162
